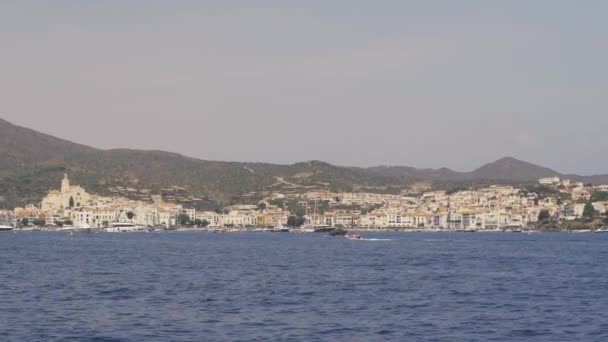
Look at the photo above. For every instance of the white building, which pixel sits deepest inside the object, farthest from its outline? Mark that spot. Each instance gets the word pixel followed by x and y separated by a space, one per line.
pixel 549 180
pixel 191 213
pixel 70 196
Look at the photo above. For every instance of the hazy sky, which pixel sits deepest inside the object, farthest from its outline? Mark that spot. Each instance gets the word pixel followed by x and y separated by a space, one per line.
pixel 420 83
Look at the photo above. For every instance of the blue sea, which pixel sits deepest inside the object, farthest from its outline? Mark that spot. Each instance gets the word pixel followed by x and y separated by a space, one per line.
pixel 175 286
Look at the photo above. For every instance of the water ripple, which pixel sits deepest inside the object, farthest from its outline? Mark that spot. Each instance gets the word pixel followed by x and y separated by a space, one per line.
pixel 293 287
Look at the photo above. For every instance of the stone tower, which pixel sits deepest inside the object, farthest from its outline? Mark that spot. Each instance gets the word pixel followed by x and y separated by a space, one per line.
pixel 65 184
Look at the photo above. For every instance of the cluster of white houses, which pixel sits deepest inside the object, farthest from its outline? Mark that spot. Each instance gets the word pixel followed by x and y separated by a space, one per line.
pixel 73 203
pixel 494 207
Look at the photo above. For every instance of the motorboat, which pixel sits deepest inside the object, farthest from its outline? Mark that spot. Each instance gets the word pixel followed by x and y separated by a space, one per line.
pixel 5 228
pixel 602 230
pixel 352 236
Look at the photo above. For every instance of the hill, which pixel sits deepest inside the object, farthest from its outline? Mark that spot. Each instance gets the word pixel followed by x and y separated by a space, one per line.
pixel 505 169
pixel 511 169
pixel 32 162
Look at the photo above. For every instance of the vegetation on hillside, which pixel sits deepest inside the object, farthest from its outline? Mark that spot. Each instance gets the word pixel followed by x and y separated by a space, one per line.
pixel 31 163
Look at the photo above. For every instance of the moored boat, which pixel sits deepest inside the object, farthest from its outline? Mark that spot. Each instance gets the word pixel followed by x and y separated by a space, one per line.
pixel 323 229
pixel 337 232
pixel 125 227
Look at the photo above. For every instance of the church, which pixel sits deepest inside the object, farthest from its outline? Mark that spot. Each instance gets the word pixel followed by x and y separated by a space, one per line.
pixel 70 196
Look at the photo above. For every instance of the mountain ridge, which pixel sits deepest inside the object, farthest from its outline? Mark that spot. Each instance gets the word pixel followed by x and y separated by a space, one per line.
pixel 31 157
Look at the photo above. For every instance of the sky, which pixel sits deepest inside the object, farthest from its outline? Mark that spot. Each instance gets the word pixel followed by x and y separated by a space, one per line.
pixel 418 83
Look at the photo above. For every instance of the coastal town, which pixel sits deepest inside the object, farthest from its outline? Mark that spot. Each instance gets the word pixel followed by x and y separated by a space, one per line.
pixel 493 208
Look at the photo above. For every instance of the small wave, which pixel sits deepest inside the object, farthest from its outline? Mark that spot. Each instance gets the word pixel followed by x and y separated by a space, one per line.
pixel 376 239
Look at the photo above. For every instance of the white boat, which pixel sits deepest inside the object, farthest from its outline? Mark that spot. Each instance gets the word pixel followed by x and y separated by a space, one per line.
pixel 5 228
pixel 602 230
pixel 125 227
pixel 79 227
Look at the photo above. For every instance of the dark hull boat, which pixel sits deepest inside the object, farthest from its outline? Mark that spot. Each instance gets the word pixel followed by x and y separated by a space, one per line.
pixel 337 232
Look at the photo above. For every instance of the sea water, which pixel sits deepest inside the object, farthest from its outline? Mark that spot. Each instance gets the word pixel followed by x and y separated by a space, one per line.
pixel 303 287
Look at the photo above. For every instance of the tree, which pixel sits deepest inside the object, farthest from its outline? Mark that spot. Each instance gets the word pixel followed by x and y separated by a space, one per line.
pixel 296 209
pixel 543 191
pixel 261 206
pixel 130 215
pixel 71 202
pixel 201 223
pixel 455 189
pixel 588 211
pixel 183 219
pixel 291 221
pixel 544 216
pixel 277 202
pixel 39 223
pixel 25 221
pixel 300 221
pixel 105 224
pixel 295 221
pixel 59 224
pixel 68 222
pixel 598 196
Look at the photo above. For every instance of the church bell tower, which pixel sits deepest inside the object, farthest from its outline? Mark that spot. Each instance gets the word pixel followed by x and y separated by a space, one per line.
pixel 65 184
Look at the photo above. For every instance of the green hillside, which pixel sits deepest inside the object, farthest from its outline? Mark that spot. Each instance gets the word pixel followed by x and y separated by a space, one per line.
pixel 31 163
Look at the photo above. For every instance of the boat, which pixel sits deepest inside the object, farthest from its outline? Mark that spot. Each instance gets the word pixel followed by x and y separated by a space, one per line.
pixel 323 229
pixel 125 227
pixel 316 227
pixel 279 229
pixel 602 230
pixel 352 236
pixel 5 228
pixel 337 232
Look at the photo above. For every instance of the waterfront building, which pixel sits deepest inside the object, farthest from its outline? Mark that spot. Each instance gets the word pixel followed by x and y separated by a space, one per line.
pixel 7 218
pixel 191 213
